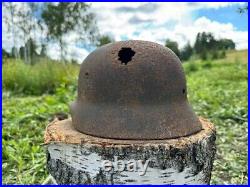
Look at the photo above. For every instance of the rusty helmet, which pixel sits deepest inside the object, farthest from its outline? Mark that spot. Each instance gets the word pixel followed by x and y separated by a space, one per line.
pixel 134 90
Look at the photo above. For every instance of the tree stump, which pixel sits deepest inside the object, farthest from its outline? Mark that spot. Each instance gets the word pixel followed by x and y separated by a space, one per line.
pixel 77 158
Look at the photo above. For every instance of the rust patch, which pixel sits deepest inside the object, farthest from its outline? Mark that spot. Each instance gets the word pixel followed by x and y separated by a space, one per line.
pixel 133 90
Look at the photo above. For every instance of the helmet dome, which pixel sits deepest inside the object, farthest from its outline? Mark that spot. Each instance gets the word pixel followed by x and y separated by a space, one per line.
pixel 133 90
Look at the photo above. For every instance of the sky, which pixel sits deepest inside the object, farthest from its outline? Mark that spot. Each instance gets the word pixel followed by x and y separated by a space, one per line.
pixel 156 22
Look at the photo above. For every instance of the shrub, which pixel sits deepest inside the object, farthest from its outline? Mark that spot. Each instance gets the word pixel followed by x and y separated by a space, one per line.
pixel 203 55
pixel 207 64
pixel 215 55
pixel 223 54
pixel 191 67
pixel 43 77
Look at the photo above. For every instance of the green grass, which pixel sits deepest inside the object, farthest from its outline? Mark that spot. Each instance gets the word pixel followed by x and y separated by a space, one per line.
pixel 24 122
pixel 217 90
pixel 44 77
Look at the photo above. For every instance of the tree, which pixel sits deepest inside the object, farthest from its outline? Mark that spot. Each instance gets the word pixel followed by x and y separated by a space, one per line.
pixel 26 24
pixel 197 43
pixel 22 52
pixel 32 47
pixel 21 21
pixel 14 52
pixel 243 9
pixel 173 46
pixel 43 52
pixel 34 8
pixel 102 40
pixel 64 18
pixel 186 52
pixel 5 54
pixel 204 42
pixel 226 44
pixel 10 21
pixel 205 45
pixel 210 43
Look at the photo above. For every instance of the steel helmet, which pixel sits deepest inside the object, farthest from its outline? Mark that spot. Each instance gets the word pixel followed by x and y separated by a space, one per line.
pixel 133 90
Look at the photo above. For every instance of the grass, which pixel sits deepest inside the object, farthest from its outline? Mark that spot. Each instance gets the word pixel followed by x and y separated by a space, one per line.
pixel 43 77
pixel 217 90
pixel 24 122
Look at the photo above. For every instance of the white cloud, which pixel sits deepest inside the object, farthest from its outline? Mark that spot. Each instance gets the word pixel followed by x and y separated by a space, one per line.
pixel 166 20
pixel 73 52
pixel 221 30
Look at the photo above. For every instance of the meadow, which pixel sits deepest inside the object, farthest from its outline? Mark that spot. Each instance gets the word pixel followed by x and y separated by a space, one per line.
pixel 33 95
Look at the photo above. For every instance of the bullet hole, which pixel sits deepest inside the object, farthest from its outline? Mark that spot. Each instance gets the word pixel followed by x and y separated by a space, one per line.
pixel 86 73
pixel 125 55
pixel 184 91
pixel 48 157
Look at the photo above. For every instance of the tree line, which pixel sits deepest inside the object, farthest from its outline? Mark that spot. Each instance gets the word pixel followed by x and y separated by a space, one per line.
pixel 38 24
pixel 205 46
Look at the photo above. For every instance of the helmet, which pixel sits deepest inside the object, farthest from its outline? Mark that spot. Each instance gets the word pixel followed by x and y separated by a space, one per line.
pixel 133 90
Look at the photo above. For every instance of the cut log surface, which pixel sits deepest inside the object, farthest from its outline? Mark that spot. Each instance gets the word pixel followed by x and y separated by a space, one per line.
pixel 77 158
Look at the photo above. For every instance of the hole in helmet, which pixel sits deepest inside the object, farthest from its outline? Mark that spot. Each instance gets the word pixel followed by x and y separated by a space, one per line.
pixel 184 91
pixel 86 73
pixel 125 55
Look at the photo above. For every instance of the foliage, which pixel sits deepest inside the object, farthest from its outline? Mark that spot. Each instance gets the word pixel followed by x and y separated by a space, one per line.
pixel 243 9
pixel 204 42
pixel 65 17
pixel 14 52
pixel 206 45
pixel 226 44
pixel 44 77
pixel 190 67
pixel 186 52
pixel 43 52
pixel 47 23
pixel 173 46
pixel 217 91
pixel 31 47
pixel 5 54
pixel 105 39
pixel 24 121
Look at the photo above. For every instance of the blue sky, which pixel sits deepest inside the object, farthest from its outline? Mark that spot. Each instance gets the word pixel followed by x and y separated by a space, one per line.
pixel 225 15
pixel 176 21
pixel 154 22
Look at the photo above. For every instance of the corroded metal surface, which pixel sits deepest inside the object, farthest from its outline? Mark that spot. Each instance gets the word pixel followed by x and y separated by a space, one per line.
pixel 133 90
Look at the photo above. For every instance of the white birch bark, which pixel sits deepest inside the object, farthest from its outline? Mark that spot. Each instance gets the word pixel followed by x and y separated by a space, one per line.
pixel 76 158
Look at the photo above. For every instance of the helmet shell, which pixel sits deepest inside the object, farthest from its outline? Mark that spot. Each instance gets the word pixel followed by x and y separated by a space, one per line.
pixel 133 90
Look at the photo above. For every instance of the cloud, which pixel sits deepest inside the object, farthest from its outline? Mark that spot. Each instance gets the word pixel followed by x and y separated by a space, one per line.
pixel 216 5
pixel 147 7
pixel 220 30
pixel 136 20
pixel 12 34
pixel 72 52
pixel 158 21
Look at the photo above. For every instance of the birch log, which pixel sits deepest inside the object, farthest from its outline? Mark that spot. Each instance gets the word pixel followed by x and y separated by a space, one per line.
pixel 76 158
